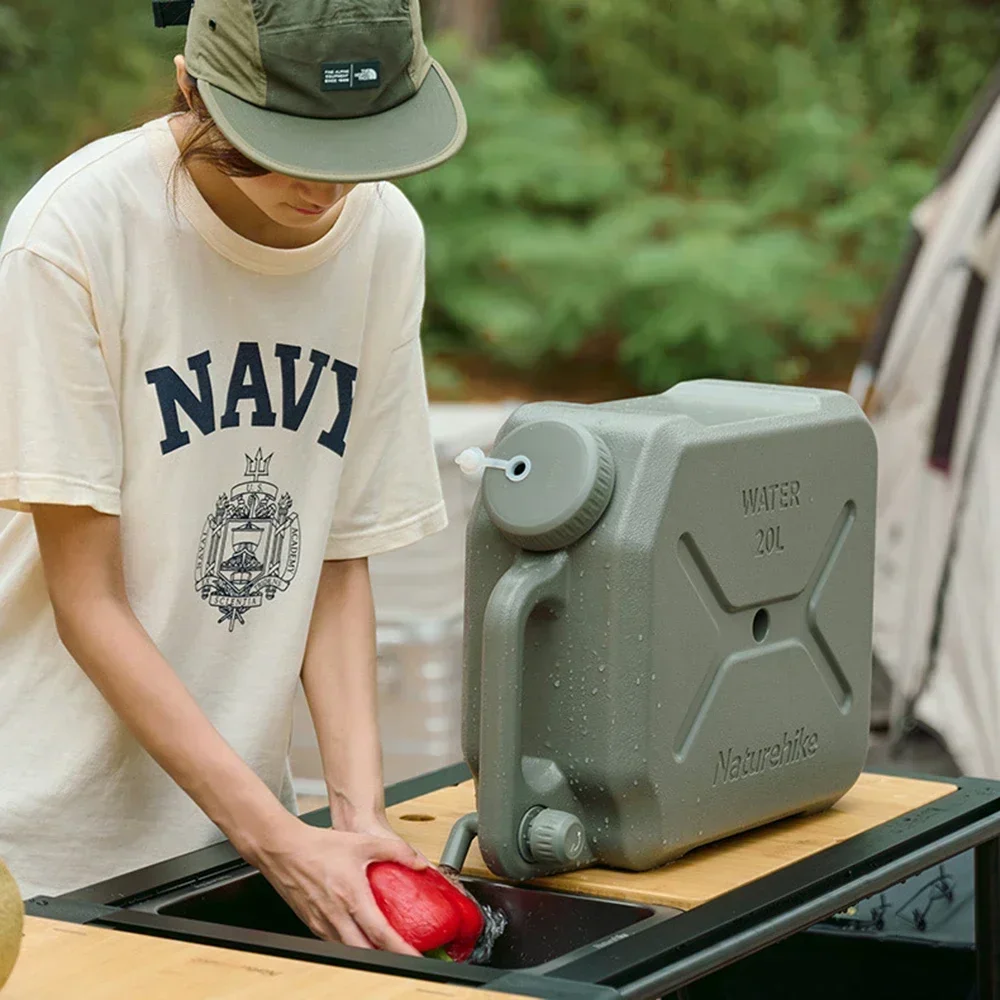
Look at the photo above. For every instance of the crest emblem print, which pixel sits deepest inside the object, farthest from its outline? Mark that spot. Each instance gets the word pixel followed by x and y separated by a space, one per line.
pixel 249 549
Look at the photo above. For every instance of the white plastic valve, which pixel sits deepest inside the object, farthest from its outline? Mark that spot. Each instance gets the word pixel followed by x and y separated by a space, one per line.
pixel 475 460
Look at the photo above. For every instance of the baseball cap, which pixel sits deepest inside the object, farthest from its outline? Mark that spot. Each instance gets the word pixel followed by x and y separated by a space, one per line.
pixel 325 90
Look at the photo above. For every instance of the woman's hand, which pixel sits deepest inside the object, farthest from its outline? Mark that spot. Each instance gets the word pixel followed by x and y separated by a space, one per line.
pixel 379 826
pixel 322 875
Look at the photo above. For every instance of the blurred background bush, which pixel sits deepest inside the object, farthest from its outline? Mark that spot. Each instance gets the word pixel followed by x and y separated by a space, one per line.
pixel 651 190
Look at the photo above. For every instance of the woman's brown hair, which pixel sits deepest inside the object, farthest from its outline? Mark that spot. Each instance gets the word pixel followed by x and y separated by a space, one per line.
pixel 206 142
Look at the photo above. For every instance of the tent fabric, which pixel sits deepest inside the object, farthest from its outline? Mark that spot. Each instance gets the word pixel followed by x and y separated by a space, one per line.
pixel 871 360
pixel 926 381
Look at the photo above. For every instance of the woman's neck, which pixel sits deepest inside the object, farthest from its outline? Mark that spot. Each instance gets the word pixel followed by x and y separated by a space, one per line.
pixel 240 214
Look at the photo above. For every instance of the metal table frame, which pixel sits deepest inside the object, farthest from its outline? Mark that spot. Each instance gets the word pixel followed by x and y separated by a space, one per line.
pixel 644 965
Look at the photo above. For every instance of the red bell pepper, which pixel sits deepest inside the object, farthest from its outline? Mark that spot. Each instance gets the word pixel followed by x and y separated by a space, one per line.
pixel 427 910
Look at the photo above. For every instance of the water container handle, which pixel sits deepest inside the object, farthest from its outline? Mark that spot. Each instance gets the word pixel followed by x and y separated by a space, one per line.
pixel 503 794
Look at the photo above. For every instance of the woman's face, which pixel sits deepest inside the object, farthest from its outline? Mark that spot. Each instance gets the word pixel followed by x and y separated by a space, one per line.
pixel 294 204
pixel 290 202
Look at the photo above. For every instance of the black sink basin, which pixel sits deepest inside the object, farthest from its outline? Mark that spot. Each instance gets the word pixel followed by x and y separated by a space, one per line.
pixel 543 926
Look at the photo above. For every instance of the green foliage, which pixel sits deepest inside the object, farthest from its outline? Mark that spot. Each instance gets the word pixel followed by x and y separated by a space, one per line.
pixel 71 72
pixel 516 266
pixel 709 186
pixel 717 185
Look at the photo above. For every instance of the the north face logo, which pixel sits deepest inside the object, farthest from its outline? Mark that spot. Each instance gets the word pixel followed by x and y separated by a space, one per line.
pixel 351 75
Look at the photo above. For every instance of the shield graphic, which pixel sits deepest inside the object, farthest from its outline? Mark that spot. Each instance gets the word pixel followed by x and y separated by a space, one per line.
pixel 249 547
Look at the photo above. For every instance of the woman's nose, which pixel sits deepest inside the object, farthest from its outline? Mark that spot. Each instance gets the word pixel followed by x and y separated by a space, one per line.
pixel 321 195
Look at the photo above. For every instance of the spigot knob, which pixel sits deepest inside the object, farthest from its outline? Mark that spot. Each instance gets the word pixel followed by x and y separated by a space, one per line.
pixel 556 837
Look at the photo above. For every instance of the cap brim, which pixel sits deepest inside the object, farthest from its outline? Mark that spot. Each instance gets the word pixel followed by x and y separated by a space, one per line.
pixel 418 134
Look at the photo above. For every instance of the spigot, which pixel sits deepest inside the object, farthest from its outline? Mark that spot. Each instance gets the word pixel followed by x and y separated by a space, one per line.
pixel 456 848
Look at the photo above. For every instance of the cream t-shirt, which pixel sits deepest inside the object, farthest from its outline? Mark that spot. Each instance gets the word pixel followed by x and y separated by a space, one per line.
pixel 248 412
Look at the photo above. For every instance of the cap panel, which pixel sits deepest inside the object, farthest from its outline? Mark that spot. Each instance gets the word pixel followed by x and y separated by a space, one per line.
pixel 281 15
pixel 228 54
pixel 331 90
pixel 342 68
pixel 414 136
pixel 421 63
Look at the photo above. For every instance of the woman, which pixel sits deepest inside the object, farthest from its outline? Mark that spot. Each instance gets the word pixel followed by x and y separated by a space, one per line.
pixel 212 411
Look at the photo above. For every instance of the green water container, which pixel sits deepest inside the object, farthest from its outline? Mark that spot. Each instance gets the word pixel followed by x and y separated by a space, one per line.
pixel 668 623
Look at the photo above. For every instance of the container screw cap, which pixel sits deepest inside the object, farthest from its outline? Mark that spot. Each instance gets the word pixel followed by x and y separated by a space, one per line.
pixel 558 483
pixel 555 837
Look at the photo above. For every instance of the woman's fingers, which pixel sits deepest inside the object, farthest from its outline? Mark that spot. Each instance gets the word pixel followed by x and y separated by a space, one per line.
pixel 333 923
pixel 394 849
pixel 348 931
pixel 325 882
pixel 379 931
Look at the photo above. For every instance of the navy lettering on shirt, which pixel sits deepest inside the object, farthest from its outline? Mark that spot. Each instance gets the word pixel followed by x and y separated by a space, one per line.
pixel 294 407
pixel 336 437
pixel 248 380
pixel 172 393
pixel 248 362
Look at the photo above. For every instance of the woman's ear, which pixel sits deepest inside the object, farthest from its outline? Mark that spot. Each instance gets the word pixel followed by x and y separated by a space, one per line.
pixel 184 80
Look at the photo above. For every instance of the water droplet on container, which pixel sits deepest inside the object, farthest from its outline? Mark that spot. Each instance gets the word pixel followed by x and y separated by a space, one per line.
pixel 637 746
pixel 638 681
pixel 636 783
pixel 659 704
pixel 652 677
pixel 556 683
pixel 640 637
pixel 594 691
pixel 593 542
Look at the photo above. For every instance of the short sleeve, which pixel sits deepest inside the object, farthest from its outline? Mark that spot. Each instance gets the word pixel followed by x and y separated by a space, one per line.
pixel 60 430
pixel 390 491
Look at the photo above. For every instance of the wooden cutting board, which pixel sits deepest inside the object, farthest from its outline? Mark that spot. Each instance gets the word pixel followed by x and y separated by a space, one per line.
pixel 705 873
pixel 94 963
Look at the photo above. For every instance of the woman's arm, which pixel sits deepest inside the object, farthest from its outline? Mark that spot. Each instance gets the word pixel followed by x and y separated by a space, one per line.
pixel 82 559
pixel 339 679
pixel 319 872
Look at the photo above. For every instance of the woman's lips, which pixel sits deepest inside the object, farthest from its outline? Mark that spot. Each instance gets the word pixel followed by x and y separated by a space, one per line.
pixel 309 211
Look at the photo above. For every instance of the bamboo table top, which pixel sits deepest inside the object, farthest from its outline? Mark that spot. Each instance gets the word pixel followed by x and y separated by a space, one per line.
pixel 60 960
pixel 705 873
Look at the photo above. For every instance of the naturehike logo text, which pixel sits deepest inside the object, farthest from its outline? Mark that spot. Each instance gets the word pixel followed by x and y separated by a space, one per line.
pixel 731 766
